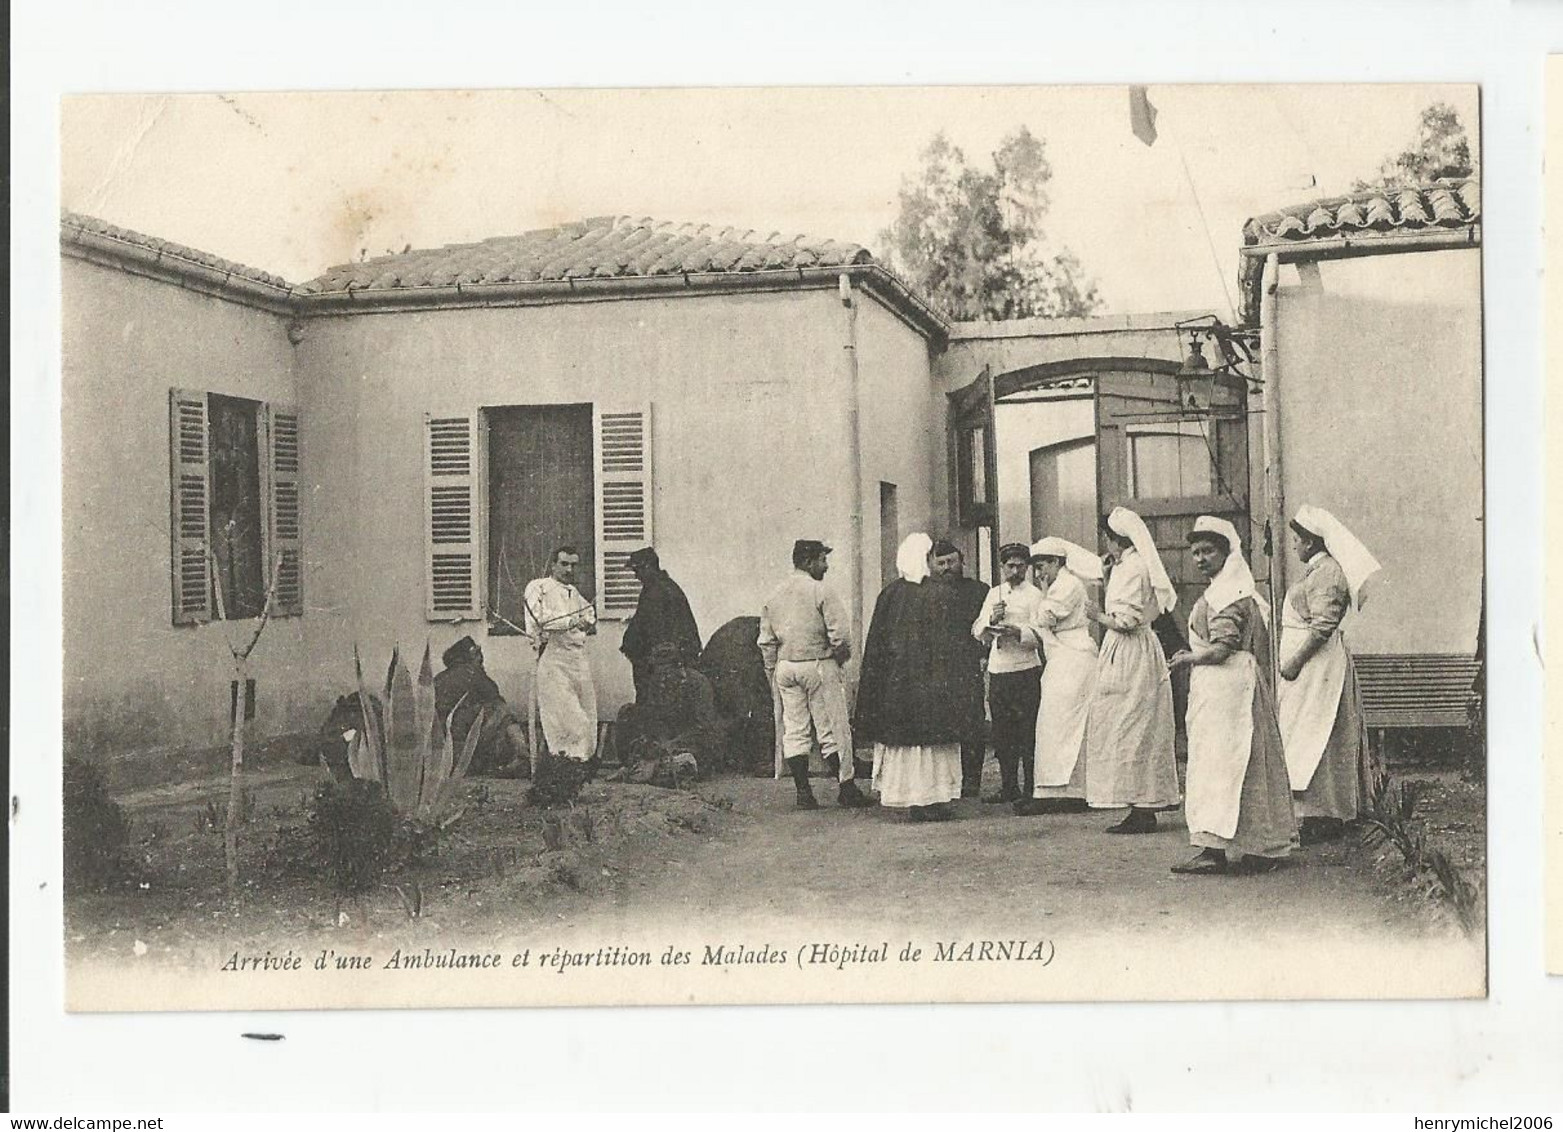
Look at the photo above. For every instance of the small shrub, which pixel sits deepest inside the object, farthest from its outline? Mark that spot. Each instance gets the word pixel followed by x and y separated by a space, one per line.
pixel 97 833
pixel 353 828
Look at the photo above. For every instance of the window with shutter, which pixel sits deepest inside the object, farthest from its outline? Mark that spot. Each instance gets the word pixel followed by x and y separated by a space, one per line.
pixel 190 479
pixel 284 548
pixel 452 559
pixel 623 503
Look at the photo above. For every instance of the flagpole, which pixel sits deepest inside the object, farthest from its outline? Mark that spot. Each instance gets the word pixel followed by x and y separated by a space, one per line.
pixel 1142 120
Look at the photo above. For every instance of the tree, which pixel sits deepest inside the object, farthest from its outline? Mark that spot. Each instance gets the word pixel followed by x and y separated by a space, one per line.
pixel 973 240
pixel 1439 150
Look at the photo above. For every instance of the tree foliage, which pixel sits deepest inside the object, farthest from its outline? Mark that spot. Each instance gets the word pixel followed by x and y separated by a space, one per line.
pixel 973 241
pixel 1439 150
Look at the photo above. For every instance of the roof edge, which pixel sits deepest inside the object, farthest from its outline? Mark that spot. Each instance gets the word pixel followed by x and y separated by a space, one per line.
pixel 882 284
pixel 169 266
pixel 1253 256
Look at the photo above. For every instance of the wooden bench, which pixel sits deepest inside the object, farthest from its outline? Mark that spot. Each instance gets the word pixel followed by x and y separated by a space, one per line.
pixel 1403 690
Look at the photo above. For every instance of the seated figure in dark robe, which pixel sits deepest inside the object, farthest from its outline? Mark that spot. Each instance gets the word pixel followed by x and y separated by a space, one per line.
pixel 674 712
pixel 466 689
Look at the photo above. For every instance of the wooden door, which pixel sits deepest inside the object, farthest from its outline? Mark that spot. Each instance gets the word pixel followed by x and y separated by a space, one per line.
pixel 974 472
pixel 1172 451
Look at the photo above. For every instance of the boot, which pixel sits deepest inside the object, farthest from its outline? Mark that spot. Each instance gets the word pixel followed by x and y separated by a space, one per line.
pixel 799 766
pixel 1028 774
pixel 833 766
pixel 1009 784
pixel 972 756
pixel 863 768
pixel 851 797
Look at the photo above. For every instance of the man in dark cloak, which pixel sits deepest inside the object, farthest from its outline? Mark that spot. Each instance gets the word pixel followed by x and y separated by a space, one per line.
pixel 662 616
pixel 948 567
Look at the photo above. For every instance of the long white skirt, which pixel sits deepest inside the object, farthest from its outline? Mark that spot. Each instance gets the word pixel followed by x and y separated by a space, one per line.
pixel 567 702
pixel 1129 734
pixel 918 775
pixel 1067 684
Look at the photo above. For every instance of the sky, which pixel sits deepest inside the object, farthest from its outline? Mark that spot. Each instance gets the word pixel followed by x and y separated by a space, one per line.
pixel 295 183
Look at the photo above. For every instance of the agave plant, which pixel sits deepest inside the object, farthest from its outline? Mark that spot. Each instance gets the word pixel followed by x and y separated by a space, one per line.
pixel 411 752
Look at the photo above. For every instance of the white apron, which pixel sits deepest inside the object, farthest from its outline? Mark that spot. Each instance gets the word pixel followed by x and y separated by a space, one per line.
pixel 1307 706
pixel 1220 721
pixel 1067 684
pixel 567 700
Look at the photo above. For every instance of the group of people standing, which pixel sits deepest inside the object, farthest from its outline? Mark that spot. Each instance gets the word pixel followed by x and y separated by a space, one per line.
pixel 1078 723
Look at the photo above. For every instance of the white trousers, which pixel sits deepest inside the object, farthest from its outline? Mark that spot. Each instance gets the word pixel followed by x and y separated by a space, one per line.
pixel 814 705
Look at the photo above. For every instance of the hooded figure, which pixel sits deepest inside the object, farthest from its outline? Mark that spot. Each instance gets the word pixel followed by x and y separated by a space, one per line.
pixel 1320 706
pixel 913 702
pixel 1130 755
pixel 1239 805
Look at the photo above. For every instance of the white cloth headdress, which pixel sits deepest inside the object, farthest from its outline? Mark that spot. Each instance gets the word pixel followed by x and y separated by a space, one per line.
pixel 1077 559
pixel 911 561
pixel 1356 561
pixel 1133 528
pixel 1236 580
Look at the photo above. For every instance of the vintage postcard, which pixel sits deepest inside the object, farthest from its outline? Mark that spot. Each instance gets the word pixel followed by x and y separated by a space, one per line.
pixel 836 545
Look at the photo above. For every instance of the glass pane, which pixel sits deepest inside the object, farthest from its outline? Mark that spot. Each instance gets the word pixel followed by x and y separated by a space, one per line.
pixel 1168 466
pixel 979 465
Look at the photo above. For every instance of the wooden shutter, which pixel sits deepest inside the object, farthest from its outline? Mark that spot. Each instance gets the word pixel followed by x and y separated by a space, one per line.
pixel 451 452
pixel 623 503
pixel 191 492
pixel 282 458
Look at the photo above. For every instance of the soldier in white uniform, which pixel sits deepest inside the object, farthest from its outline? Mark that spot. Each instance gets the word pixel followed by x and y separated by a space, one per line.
pixel 804 641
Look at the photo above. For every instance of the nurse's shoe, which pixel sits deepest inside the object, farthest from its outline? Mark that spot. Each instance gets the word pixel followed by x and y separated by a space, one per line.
pixel 1208 863
pixel 1251 866
pixel 1138 821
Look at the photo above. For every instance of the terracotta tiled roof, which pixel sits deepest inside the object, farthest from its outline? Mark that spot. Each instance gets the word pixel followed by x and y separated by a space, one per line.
pixel 602 248
pixel 1444 204
pixel 73 225
pixel 1396 219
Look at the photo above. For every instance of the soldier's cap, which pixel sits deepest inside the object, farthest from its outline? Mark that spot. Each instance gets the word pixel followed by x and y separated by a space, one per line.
pixel 809 547
pixel 646 554
pixel 1014 550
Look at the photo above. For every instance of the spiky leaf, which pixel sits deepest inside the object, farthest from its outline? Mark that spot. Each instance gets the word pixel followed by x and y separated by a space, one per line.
pixel 404 748
pixel 374 738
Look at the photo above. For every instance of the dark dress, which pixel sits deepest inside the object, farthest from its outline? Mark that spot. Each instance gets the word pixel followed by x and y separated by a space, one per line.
pixel 918 684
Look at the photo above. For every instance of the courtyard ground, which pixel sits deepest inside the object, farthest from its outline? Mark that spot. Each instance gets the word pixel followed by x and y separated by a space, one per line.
pixel 733 864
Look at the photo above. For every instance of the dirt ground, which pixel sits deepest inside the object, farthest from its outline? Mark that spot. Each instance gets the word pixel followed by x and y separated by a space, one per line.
pixel 735 854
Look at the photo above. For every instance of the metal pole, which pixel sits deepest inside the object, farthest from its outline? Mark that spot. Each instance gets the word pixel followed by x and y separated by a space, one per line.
pixel 854 459
pixel 1275 501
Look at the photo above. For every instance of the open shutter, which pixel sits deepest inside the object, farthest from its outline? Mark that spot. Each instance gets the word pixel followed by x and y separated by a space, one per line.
pixel 284 532
pixel 623 503
pixel 190 483
pixel 451 516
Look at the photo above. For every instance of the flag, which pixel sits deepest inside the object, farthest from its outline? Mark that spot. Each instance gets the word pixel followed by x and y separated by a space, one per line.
pixel 1142 115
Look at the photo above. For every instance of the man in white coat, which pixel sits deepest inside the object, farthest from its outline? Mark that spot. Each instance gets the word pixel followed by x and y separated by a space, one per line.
pixel 1014 668
pixel 559 620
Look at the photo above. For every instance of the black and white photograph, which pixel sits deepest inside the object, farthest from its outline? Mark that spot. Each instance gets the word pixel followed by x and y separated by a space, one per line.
pixel 810 545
